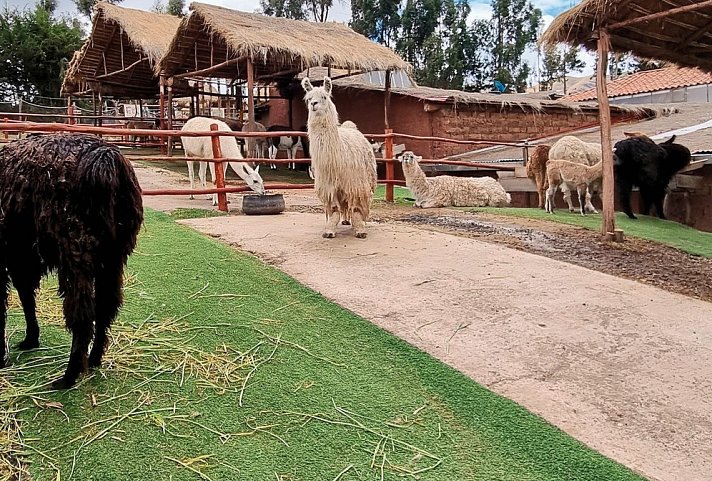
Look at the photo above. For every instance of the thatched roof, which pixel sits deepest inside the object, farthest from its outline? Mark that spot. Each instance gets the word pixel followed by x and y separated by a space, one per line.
pixel 502 101
pixel 124 41
pixel 278 47
pixel 683 37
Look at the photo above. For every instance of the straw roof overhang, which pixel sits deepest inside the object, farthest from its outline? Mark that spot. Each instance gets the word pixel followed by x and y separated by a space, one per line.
pixel 683 36
pixel 124 46
pixel 524 102
pixel 278 47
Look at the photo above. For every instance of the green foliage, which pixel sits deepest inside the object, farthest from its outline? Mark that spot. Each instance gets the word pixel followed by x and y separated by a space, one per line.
pixel 316 10
pixel 86 6
pixel 36 47
pixel 514 26
pixel 175 7
pixel 557 63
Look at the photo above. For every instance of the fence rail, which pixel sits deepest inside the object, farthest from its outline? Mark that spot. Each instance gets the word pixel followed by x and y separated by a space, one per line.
pixel 214 134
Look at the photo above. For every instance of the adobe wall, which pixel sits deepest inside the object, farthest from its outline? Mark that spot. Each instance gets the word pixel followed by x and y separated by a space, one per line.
pixel 700 203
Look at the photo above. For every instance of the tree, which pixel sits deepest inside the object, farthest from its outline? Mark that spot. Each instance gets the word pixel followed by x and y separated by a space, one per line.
pixel 175 7
pixel 159 7
pixel 514 26
pixel 557 64
pixel 36 50
pixel 378 20
pixel 317 10
pixel 86 6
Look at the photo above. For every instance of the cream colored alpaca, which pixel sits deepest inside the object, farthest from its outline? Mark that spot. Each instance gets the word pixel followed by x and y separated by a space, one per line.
pixel 343 162
pixel 575 150
pixel 445 190
pixel 571 174
pixel 202 147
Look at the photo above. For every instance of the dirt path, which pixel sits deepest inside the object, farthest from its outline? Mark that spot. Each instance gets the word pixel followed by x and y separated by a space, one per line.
pixel 624 367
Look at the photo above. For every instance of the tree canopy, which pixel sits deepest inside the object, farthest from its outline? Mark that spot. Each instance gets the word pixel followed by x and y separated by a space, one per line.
pixel 36 48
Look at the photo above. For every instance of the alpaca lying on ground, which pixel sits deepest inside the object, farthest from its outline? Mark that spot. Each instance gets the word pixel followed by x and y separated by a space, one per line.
pixel 203 147
pixel 342 160
pixel 574 150
pixel 574 175
pixel 70 203
pixel 446 191
pixel 639 161
pixel 536 170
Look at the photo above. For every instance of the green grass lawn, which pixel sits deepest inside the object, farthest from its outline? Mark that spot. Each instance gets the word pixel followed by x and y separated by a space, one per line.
pixel 223 368
pixel 650 228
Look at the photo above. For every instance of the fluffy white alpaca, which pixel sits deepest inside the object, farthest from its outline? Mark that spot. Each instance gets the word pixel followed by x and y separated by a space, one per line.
pixel 575 150
pixel 202 147
pixel 573 174
pixel 255 146
pixel 343 162
pixel 446 190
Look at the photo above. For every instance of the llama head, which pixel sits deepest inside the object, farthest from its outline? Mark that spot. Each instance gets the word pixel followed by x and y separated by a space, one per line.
pixel 251 176
pixel 408 157
pixel 318 99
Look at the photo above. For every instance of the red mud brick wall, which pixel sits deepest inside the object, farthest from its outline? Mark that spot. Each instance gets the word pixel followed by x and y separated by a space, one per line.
pixel 700 203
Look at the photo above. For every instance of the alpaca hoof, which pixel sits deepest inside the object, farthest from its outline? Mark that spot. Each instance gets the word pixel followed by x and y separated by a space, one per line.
pixel 631 216
pixel 345 222
pixel 360 235
pixel 28 343
pixel 328 235
pixel 572 210
pixel 62 383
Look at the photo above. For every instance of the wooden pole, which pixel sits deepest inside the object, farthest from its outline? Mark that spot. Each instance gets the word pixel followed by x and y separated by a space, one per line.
pixel 162 109
pixel 93 106
pixel 604 114
pixel 250 91
pixel 219 172
pixel 169 108
pixel 390 170
pixel 101 109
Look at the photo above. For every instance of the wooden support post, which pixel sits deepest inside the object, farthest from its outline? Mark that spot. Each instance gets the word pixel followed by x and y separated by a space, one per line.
pixel 101 109
pixel 93 107
pixel 140 108
pixel 6 120
pixel 604 114
pixel 70 115
pixel 390 170
pixel 162 110
pixel 169 107
pixel 250 91
pixel 219 172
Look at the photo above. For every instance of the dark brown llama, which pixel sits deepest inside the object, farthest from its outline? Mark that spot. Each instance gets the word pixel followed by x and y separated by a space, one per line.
pixel 68 203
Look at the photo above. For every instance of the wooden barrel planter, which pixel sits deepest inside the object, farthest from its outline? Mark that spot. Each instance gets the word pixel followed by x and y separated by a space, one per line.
pixel 268 204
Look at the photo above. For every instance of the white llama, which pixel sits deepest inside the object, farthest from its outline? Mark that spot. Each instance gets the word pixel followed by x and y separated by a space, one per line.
pixel 202 147
pixel 446 190
pixel 343 162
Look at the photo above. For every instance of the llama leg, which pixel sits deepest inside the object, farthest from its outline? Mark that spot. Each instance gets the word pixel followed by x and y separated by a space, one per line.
pixel 27 281
pixel 76 288
pixel 359 224
pixel 658 202
pixel 624 190
pixel 550 193
pixel 589 204
pixel 272 150
pixel 567 197
pixel 332 219
pixel 107 288
pixel 539 181
pixel 202 174
pixel 191 176
pixel 582 192
pixel 4 286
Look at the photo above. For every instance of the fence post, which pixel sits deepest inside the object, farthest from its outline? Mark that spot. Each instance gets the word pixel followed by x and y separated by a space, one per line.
pixel 390 170
pixel 70 115
pixel 525 152
pixel 219 172
pixel 6 121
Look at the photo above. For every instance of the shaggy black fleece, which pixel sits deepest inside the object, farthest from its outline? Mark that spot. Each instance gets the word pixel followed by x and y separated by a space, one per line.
pixel 70 203
pixel 641 162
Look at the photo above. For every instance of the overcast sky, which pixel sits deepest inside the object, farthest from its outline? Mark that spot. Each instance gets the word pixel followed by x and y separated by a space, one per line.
pixel 341 12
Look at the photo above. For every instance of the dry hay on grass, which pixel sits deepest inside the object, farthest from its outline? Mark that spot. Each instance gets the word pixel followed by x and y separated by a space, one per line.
pixel 160 351
pixel 139 354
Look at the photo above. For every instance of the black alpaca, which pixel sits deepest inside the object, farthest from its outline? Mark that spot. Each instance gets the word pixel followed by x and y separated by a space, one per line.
pixel 69 203
pixel 641 162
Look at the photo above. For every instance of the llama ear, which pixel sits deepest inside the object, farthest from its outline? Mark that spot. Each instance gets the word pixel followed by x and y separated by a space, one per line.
pixel 257 169
pixel 306 84
pixel 327 85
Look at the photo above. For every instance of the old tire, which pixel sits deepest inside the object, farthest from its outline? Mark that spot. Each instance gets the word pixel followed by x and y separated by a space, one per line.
pixel 262 204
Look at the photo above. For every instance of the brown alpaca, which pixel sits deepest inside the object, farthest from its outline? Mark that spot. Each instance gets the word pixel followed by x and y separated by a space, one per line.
pixel 536 170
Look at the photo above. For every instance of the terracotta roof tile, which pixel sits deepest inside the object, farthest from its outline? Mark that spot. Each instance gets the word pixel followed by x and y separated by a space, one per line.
pixel 647 81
